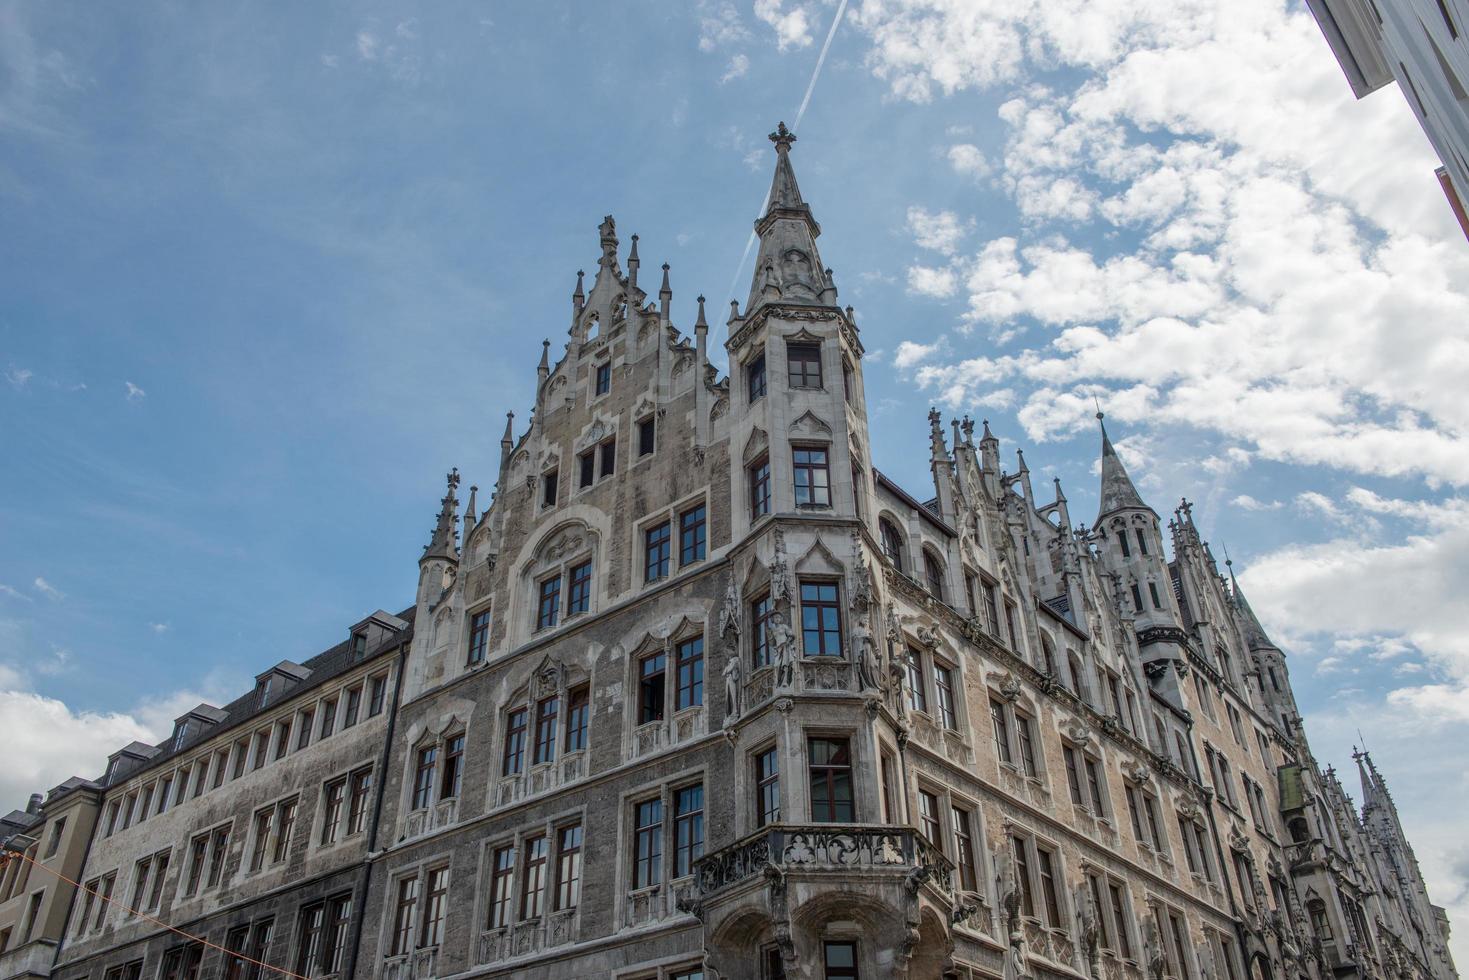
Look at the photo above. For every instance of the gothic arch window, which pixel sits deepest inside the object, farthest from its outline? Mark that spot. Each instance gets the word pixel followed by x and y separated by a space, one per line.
pixel 1078 677
pixel 545 732
pixel 933 575
pixel 892 542
pixel 560 582
pixel 594 326
pixel 1048 656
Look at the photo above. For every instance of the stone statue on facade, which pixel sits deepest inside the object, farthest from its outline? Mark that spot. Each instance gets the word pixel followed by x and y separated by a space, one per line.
pixel 868 671
pixel 783 642
pixel 732 686
pixel 1153 956
pixel 1086 917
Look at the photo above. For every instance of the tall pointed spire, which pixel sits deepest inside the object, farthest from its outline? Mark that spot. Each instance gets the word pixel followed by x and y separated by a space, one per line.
pixel 1117 493
pixel 1255 636
pixel 445 540
pixel 788 268
pixel 633 262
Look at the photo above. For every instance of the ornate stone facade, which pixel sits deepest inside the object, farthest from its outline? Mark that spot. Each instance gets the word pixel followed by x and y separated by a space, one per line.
pixel 702 693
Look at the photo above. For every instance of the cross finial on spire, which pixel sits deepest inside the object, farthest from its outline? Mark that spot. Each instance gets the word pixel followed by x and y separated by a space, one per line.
pixel 1098 402
pixel 782 138
pixel 1187 508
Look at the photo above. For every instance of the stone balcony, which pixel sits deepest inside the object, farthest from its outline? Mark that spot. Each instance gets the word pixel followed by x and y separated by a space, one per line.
pixel 421 964
pixel 442 814
pixel 542 778
pixel 785 882
pixel 527 938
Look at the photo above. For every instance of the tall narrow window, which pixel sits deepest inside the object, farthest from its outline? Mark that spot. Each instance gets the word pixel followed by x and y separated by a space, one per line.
pixel 160 870
pixel 1046 869
pixel 755 377
pixel 546 717
pixel 690 666
pixel 759 488
pixel 533 879
pixel 933 576
pixel 821 620
pixel 577 711
pixel 647 436
pixel 423 776
pixel 1026 743
pixel 964 849
pixel 1094 785
pixel 608 452
pixel 579 596
pixel 219 845
pixel 650 688
pixel 1022 874
pixel 1119 913
pixel 691 536
pixel 453 777
pixel 548 489
pixel 431 931
pixel 830 768
pixel 403 911
pixel 1001 724
pixel 892 542
pixel 377 695
pixel 1073 775
pixel 1142 542
pixel 760 652
pixel 604 379
pixel 586 469
pixel 656 552
pixel 688 829
pixel 479 636
pixel 354 705
pixel 549 608
pixel 502 877
pixel 328 719
pixel 359 791
pixel 991 609
pixel 1122 540
pixel 804 361
pixel 767 787
pixel 568 867
pixel 917 694
pixel 285 822
pixel 847 380
pixel 943 688
pixel 648 844
pixel 928 817
pixel 334 798
pixel 813 476
pixel 515 727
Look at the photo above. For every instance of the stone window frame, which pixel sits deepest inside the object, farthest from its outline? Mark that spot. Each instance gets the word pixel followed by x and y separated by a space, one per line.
pixel 318 817
pixel 549 827
pixel 1110 928
pixel 899 543
pixel 670 514
pixel 602 358
pixel 1013 707
pixel 261 852
pixel 1149 820
pixel 1086 752
pixel 650 645
pixel 935 570
pixel 550 678
pixel 664 789
pixel 857 747
pixel 472 610
pixel 1196 845
pixel 437 737
pixel 929 656
pixel 1035 841
pixel 418 869
pixel 542 566
pixel 1162 911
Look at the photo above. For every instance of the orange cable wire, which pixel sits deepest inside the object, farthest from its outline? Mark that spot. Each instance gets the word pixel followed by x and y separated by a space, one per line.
pixel 158 922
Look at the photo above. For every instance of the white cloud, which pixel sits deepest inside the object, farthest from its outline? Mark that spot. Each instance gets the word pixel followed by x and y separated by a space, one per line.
pixel 47 742
pixel 1245 502
pixel 940 231
pixel 910 354
pixel 134 392
pixel 938 283
pixel 19 377
pixel 719 26
pixel 792 27
pixel 966 159
pixel 14 593
pixel 739 66
pixel 158 627
pixel 48 590
pixel 367 45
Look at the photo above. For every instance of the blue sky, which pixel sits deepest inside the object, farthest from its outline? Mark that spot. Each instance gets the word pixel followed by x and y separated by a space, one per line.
pixel 268 272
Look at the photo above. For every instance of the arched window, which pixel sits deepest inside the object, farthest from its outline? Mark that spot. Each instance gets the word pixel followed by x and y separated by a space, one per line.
pixel 1048 656
pixel 892 542
pixel 1078 679
pixel 933 575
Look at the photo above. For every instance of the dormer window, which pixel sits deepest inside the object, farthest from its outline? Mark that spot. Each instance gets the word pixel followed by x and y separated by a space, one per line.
pixel 181 732
pixel 262 693
pixel 359 645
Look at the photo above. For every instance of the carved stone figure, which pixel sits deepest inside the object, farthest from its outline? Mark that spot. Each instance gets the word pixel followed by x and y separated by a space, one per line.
pixel 783 643
pixel 1156 962
pixel 1086 916
pixel 732 687
pixel 868 676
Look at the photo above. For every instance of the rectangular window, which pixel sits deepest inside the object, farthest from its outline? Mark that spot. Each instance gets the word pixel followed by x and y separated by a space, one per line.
pixel 821 620
pixel 690 665
pixel 1026 742
pixel 647 436
pixel 1022 875
pixel 760 653
pixel 140 883
pixel 219 844
pixel 198 856
pixel 691 536
pixel 577 711
pixel 608 452
pixel 282 738
pixel 1122 540
pixel 303 728
pixel 759 489
pixel 1120 916
pixel 1153 593
pixel 917 690
pixel 262 748
pixel 515 729
pixel 648 844
pixel 328 716
pixel 1001 724
pixel 452 780
pixel 586 469
pixel 1073 775
pixel 1094 784
pixel 767 787
pixel 656 552
pixel 964 849
pixel 547 712
pixel 755 377
pixel 403 913
pixel 377 695
pixel 285 823
pixel 479 636
pixel 533 879
pixel 548 489
pixel 812 476
pixel 804 362
pixel 1010 626
pixel 548 609
pixel 1142 542
pixel 830 770
pixel 650 689
pixel 160 870
pixel 839 960
pixel 688 829
pixel 604 378
pixel 991 610
pixel 568 867
pixel 260 834
pixel 579 597
pixel 943 688
pixel 165 785
pixel 423 776
pixel 502 876
pixel 182 962
pixel 353 707
pixel 928 818
pixel 1046 868
pixel 360 786
pixel 334 798
pixel 431 931
pixel 1179 942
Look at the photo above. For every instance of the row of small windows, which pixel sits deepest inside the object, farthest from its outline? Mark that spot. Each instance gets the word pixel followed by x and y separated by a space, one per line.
pixel 599 462
pixel 249 753
pixel 803 370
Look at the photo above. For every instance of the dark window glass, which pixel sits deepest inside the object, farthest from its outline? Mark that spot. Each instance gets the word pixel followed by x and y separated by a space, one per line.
pixel 452 780
pixel 1142 542
pixel 546 717
pixel 403 911
pixel 813 478
pixel 423 777
pixel 1001 723
pixel 548 489
pixel 830 770
pixel 804 361
pixel 648 844
pixel 334 798
pixel 1126 548
pixel 1119 911
pixel 479 636
pixel 840 960
pixel 1022 875
pixel 655 552
pixel 579 599
pixel 577 711
pixel 690 664
pixel 1094 783
pixel 688 829
pixel 1046 868
pixel 821 620
pixel 586 469
pixel 964 849
pixel 604 378
pixel 928 818
pixel 502 877
pixel 1024 737
pixel 647 436
pixel 548 611
pixel 760 651
pixel 1073 775
pixel 533 879
pixel 609 456
pixel 650 689
pixel 755 377
pixel 354 705
pixel 691 535
pixel 377 695
pixel 1153 594
pixel 934 576
pixel 760 489
pixel 892 543
pixel 943 686
pixel 361 788
pixel 767 787
pixel 515 725
pixel 568 867
pixel 431 932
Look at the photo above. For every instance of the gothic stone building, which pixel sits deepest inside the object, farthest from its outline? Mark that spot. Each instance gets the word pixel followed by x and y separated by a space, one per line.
pixel 702 693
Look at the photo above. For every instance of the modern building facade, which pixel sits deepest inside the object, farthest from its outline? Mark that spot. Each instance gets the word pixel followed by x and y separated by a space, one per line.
pixel 702 693
pixel 1420 44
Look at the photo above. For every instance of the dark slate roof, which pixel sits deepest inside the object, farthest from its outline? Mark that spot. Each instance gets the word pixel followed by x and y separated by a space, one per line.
pixel 1118 493
pixel 922 509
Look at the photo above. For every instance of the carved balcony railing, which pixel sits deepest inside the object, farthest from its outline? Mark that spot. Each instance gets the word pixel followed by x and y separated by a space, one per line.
pixel 441 814
pixel 421 964
pixel 527 938
pixel 822 849
pixel 542 778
